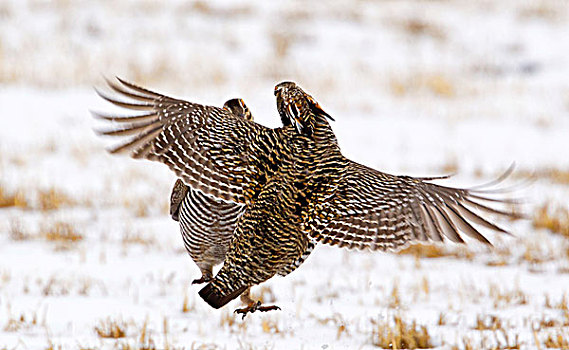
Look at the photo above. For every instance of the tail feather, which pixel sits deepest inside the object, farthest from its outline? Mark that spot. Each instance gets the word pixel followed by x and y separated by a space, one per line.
pixel 217 297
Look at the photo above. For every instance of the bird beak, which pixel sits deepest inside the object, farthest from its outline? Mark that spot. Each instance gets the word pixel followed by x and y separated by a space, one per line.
pixel 317 109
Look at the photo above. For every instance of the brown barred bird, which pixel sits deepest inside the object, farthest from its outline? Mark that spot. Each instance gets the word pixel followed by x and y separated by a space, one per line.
pixel 294 183
pixel 207 224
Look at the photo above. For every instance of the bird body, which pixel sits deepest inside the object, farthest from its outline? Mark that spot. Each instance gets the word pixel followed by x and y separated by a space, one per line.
pixel 207 224
pixel 267 240
pixel 294 183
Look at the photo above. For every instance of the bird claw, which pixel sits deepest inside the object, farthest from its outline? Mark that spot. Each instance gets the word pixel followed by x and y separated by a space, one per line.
pixel 201 280
pixel 255 306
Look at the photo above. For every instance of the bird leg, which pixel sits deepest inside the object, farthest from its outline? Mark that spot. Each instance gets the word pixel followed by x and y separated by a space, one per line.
pixel 252 305
pixel 255 306
pixel 201 280
pixel 207 276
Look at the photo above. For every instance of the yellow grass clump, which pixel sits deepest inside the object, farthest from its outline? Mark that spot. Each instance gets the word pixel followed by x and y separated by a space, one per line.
pixel 400 335
pixel 110 328
pixel 430 251
pixel 52 199
pixel 558 340
pixel 62 232
pixel 17 199
pixel 556 220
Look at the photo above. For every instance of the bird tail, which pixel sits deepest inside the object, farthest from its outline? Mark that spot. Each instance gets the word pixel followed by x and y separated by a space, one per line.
pixel 220 291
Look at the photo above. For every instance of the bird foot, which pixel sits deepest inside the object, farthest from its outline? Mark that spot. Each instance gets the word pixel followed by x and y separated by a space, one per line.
pixel 255 306
pixel 202 279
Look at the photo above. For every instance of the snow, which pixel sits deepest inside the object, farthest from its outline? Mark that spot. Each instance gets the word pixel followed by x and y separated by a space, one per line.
pixel 418 88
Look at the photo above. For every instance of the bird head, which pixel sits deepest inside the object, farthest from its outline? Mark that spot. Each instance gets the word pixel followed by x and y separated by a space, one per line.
pixel 298 108
pixel 238 107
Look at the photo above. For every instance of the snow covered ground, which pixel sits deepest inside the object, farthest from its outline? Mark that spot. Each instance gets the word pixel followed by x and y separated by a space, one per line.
pixel 89 257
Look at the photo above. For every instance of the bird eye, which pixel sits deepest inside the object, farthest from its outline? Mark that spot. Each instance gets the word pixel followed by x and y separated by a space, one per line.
pixel 277 90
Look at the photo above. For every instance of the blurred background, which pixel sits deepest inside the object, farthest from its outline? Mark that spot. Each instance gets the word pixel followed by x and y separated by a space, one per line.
pixel 416 87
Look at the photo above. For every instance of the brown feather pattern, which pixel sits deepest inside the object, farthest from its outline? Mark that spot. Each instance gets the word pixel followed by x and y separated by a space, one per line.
pixel 293 183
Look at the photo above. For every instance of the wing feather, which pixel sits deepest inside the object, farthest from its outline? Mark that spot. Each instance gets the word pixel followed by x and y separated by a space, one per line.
pixel 208 147
pixel 375 210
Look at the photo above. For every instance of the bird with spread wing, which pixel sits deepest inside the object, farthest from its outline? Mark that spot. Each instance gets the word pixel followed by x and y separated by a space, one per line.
pixel 293 181
pixel 207 224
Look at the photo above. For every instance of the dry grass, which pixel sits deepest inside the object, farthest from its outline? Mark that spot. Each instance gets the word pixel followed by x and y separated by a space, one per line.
pixel 534 254
pixel 488 322
pixel 400 335
pixel 146 205
pixel 554 219
pixel 134 237
pixel 264 294
pixel 23 321
pixel 337 320
pixel 498 340
pixel 186 306
pixel 430 251
pixel 208 9
pixel 557 340
pixel 144 339
pixel 419 27
pixel 554 175
pixel 52 346
pixel 496 262
pixel 546 322
pixel 5 278
pixel 505 341
pixel 561 305
pixel 394 300
pixel 61 232
pixel 545 10
pixel 55 287
pixel 450 166
pixel 269 325
pixel 17 231
pixel 17 199
pixel 53 199
pixel 281 42
pixel 139 206
pixel 229 321
pixel 435 84
pixel 204 346
pixel 503 298
pixel 298 14
pixel 421 288
pixel 342 329
pixel 110 328
pixel 30 198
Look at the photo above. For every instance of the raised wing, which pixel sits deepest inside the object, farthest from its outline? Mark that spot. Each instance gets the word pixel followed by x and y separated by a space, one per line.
pixel 208 147
pixel 380 211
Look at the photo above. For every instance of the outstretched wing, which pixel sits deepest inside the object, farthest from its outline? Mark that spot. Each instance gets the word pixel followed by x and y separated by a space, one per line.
pixel 208 147
pixel 380 211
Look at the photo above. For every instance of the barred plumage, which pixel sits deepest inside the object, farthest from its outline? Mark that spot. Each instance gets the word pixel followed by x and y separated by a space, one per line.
pixel 207 224
pixel 294 182
pixel 266 238
pixel 366 208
